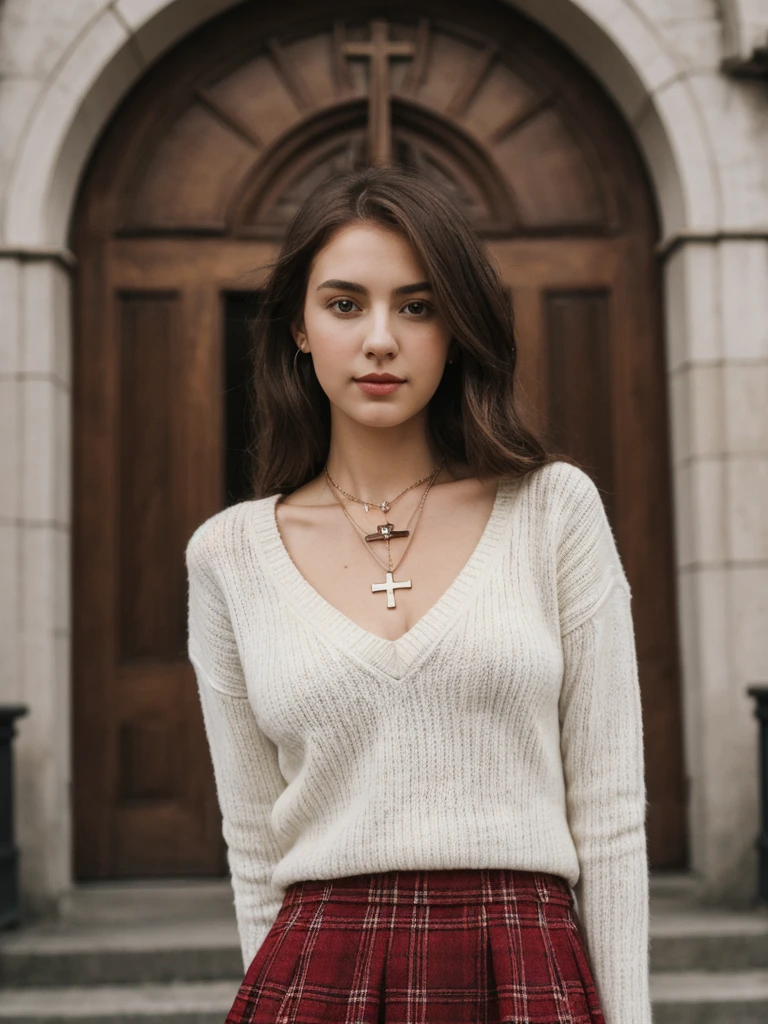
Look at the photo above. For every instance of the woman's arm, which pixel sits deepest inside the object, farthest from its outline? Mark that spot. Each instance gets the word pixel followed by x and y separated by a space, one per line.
pixel 248 779
pixel 602 750
pixel 602 754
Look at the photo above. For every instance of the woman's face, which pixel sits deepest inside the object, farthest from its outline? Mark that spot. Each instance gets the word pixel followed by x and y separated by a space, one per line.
pixel 369 310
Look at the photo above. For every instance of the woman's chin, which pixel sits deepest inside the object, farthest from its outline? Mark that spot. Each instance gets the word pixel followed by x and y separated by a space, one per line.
pixel 383 415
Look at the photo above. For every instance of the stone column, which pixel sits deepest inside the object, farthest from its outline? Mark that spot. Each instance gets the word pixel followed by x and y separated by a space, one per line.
pixel 717 336
pixel 35 520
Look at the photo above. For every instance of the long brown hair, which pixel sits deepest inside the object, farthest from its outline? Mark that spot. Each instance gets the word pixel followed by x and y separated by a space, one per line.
pixel 471 417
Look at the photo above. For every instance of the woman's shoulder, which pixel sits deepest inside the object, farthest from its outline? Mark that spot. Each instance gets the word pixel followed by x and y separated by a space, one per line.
pixel 563 492
pixel 225 534
pixel 564 480
pixel 584 545
pixel 573 500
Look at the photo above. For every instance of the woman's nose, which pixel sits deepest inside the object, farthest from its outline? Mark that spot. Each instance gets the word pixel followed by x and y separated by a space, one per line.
pixel 380 339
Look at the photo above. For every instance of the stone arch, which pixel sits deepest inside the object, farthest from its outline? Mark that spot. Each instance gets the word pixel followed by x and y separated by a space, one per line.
pixel 493 137
pixel 116 50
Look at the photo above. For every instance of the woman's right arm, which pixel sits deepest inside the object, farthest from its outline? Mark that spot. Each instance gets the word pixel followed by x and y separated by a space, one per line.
pixel 248 779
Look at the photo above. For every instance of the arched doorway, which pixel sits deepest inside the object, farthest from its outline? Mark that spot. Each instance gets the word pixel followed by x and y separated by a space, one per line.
pixel 188 191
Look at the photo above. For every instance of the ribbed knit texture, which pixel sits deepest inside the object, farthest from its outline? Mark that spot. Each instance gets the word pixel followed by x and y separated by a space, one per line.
pixel 502 730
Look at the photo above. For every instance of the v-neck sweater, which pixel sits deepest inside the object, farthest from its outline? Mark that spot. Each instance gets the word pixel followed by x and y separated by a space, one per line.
pixel 503 730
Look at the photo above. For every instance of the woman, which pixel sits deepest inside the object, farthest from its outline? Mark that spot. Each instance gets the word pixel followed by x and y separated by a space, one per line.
pixel 418 762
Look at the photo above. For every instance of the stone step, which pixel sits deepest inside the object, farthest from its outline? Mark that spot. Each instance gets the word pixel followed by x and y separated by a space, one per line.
pixel 114 961
pixel 134 936
pixel 710 997
pixel 176 1003
pixel 706 939
pixel 694 997
pixel 162 901
pixel 697 941
pixel 155 955
pixel 128 933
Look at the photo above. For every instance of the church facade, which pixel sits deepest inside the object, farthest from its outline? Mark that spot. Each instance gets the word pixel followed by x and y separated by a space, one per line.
pixel 611 153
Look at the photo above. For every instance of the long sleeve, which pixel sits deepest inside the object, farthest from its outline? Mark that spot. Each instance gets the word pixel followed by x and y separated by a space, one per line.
pixel 603 761
pixel 248 779
pixel 602 749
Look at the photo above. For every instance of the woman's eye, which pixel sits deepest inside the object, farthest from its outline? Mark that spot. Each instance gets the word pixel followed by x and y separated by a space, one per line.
pixel 343 305
pixel 417 307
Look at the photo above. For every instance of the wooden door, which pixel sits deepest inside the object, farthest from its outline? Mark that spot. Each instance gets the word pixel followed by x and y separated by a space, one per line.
pixel 149 466
pixel 187 195
pixel 593 386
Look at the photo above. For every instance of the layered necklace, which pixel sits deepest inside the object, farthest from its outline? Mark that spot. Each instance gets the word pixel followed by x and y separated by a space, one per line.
pixel 386 531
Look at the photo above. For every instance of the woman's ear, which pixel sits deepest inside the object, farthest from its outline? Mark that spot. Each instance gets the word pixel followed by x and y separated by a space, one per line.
pixel 297 330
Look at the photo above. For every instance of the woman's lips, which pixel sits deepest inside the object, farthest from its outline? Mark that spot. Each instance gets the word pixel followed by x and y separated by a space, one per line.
pixel 372 387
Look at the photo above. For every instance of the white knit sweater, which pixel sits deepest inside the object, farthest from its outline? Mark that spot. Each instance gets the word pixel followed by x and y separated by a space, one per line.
pixel 503 730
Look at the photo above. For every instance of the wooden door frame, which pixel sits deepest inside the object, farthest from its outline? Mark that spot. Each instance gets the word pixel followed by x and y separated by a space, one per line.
pixel 100 215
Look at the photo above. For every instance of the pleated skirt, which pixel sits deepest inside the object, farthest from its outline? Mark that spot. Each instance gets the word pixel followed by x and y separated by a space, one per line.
pixel 466 946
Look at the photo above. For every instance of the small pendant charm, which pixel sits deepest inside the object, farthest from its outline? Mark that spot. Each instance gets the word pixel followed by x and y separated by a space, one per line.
pixel 384 506
pixel 385 532
pixel 365 507
pixel 390 586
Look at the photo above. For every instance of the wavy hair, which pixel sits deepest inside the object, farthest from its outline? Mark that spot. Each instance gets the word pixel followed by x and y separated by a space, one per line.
pixel 471 416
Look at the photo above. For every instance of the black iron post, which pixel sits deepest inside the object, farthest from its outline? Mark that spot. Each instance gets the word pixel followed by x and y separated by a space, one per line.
pixel 760 693
pixel 9 855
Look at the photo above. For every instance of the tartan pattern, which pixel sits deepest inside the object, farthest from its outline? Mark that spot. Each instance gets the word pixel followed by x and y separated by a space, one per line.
pixel 465 946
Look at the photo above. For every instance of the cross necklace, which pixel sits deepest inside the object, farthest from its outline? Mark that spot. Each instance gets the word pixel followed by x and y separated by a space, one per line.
pixel 386 532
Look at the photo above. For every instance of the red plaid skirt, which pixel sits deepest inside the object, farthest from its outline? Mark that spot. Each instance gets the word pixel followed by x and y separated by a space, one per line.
pixel 423 947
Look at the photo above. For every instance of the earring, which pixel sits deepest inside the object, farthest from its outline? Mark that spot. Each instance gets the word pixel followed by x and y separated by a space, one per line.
pixel 298 350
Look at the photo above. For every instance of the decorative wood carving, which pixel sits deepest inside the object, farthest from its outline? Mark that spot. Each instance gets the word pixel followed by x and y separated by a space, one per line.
pixel 348 96
pixel 379 51
pixel 338 142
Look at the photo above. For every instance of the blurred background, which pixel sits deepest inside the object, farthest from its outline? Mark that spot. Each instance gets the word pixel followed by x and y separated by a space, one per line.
pixel 614 155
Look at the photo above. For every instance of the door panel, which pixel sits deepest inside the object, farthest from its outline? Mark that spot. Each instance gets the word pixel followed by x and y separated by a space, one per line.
pixel 592 383
pixel 577 331
pixel 150 527
pixel 154 811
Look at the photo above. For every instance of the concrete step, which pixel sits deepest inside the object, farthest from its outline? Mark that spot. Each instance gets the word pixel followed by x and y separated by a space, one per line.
pixel 700 940
pixel 695 997
pixel 128 933
pixel 710 997
pixel 708 939
pixel 131 933
pixel 188 1003
pixel 148 901
pixel 151 954
pixel 131 953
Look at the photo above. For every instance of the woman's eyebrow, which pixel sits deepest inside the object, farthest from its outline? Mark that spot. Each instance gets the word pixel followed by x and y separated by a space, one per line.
pixel 409 289
pixel 351 286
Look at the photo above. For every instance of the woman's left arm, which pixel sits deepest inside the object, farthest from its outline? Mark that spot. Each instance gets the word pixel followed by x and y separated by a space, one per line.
pixel 601 743
pixel 602 752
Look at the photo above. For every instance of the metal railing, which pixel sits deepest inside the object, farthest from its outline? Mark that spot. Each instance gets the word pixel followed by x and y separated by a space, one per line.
pixel 9 855
pixel 760 694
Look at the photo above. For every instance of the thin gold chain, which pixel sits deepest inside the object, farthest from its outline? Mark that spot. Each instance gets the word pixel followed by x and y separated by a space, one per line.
pixel 432 476
pixel 392 568
pixel 385 505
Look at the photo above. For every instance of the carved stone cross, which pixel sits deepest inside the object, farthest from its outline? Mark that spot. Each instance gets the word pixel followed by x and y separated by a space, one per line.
pixel 390 586
pixel 379 51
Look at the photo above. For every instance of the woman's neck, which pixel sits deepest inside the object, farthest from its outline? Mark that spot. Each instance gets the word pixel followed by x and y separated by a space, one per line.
pixel 374 463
